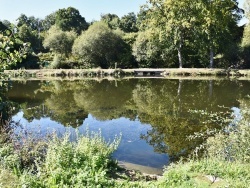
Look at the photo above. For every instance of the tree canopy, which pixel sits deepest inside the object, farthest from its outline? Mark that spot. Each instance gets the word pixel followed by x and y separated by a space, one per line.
pixel 99 46
pixel 184 25
pixel 165 33
pixel 70 19
pixel 59 41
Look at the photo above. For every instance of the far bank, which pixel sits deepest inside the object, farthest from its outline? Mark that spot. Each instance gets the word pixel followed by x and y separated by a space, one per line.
pixel 98 72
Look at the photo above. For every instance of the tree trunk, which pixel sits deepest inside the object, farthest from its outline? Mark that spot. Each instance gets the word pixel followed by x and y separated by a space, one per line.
pixel 211 62
pixel 180 56
pixel 179 49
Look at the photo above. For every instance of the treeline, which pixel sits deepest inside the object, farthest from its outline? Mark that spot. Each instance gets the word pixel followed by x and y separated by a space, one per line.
pixel 165 33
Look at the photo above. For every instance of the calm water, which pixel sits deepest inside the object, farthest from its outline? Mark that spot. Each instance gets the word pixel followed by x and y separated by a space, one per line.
pixel 153 115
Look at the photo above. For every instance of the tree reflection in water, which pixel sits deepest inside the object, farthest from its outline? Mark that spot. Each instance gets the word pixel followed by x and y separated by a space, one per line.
pixel 162 103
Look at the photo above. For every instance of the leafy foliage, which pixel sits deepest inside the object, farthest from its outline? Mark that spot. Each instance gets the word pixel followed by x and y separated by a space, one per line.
pixel 9 56
pixel 99 46
pixel 59 41
pixel 83 162
pixel 191 31
pixel 246 38
pixel 3 27
pixel 128 23
pixel 150 52
pixel 112 20
pixel 49 21
pixel 70 20
pixel 32 22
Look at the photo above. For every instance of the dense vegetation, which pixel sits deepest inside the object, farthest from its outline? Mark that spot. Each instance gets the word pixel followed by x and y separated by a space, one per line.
pixel 165 33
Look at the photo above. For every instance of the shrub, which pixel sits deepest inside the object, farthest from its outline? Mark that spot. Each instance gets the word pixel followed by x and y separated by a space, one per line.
pixel 84 162
pixel 232 143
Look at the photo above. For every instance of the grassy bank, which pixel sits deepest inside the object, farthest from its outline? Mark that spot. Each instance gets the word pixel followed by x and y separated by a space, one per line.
pixel 31 161
pixel 41 73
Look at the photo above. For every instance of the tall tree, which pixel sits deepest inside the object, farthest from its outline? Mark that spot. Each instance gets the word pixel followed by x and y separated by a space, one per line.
pixel 219 18
pixel 49 21
pixel 21 20
pixel 150 51
pixel 176 19
pixel 112 20
pixel 246 37
pixel 128 23
pixel 32 22
pixel 70 19
pixel 26 34
pixel 201 26
pixel 28 30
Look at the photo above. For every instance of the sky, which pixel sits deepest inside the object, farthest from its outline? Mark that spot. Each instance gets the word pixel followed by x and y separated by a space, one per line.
pixel 89 9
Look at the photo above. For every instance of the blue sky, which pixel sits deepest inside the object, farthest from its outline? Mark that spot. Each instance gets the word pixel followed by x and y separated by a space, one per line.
pixel 90 9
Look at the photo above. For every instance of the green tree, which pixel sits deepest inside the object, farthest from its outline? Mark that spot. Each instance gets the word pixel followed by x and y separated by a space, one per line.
pixel 99 46
pixel 49 21
pixel 59 41
pixel 219 20
pixel 128 23
pixel 3 27
pixel 9 56
pixel 141 17
pixel 32 22
pixel 26 34
pixel 246 37
pixel 21 20
pixel 70 19
pixel 28 30
pixel 192 29
pixel 176 20
pixel 7 24
pixel 112 20
pixel 149 51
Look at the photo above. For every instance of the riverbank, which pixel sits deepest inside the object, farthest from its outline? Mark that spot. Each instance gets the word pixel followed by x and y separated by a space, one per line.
pixel 160 72
pixel 34 162
pixel 87 162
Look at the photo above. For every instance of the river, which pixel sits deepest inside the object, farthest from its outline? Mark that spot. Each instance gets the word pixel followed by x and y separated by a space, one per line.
pixel 153 115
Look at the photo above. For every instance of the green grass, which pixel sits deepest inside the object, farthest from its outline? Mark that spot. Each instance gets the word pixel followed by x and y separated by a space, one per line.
pixel 201 173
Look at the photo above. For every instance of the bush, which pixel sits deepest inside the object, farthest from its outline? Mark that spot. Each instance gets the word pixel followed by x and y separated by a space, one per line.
pixel 55 64
pixel 99 46
pixel 232 143
pixel 84 162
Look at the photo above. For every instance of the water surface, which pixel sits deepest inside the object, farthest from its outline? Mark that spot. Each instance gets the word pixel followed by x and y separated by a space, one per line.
pixel 153 115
